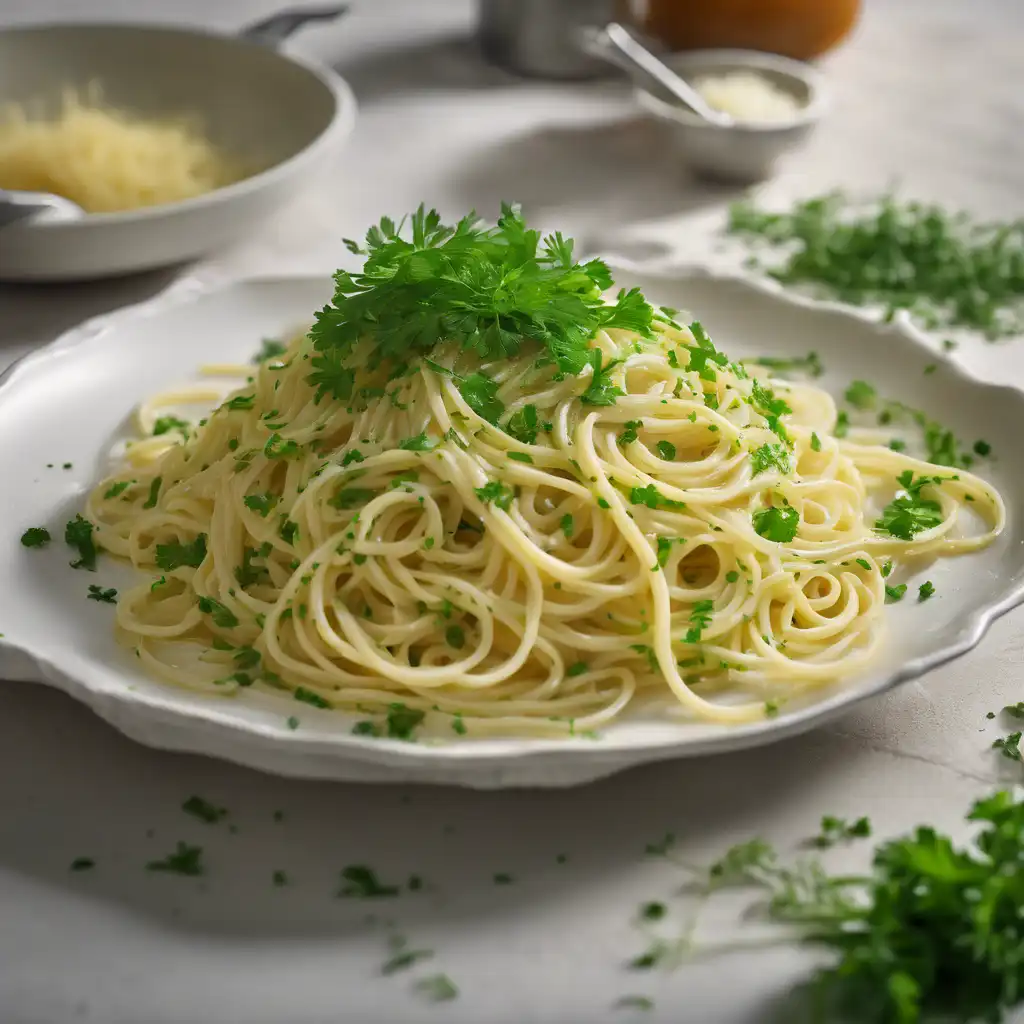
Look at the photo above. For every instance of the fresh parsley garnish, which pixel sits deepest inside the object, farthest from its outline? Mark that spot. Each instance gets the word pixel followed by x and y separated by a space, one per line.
pixel 204 810
pixel 438 988
pixel 770 456
pixel 835 830
pixel 601 390
pixel 402 721
pixel 778 523
pixel 651 497
pixel 925 590
pixel 861 395
pixel 361 882
pixel 174 555
pixel 311 697
pixel 165 424
pixel 419 443
pixel 221 615
pixel 270 348
pixel 496 491
pixel 895 593
pixel 106 595
pixel 36 537
pixel 185 860
pixel 667 450
pixel 485 289
pixel 78 535
pixel 523 424
pixel 262 504
pixel 909 514
pixel 700 617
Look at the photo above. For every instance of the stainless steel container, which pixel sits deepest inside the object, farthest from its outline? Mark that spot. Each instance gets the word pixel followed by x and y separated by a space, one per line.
pixel 538 37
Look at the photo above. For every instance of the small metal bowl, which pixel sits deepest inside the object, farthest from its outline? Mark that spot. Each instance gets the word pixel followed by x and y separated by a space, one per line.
pixel 745 152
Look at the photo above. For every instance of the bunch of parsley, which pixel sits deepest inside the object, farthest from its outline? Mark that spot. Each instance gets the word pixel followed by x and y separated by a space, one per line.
pixel 936 931
pixel 488 289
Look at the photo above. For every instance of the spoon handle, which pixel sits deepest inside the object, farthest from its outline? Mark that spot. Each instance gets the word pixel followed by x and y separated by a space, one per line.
pixel 615 45
pixel 275 29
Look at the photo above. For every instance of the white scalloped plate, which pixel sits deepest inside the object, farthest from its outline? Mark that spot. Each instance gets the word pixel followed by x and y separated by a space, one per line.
pixel 70 401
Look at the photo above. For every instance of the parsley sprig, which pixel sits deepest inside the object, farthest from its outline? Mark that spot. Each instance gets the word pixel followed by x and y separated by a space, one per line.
pixel 485 288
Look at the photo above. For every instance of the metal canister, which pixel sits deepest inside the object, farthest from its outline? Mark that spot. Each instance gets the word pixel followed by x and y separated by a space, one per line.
pixel 538 38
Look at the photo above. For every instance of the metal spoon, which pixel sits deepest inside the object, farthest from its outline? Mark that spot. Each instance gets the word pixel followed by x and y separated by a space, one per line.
pixel 16 205
pixel 615 45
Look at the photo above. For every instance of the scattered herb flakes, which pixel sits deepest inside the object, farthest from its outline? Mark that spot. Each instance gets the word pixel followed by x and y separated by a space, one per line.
pixel 455 637
pixel 895 593
pixel 165 424
pixel 116 489
pixel 438 988
pixel 404 960
pixel 222 616
pixel 270 348
pixel 204 810
pixel 653 911
pixel 497 492
pixel 186 860
pixel 154 493
pixel 402 721
pixel 1009 747
pixel 279 878
pixel 777 523
pixel 909 514
pixel 175 555
pixel 566 525
pixel 311 697
pixel 634 1003
pixel 78 535
pixel 861 395
pixel 835 830
pixel 945 268
pixel 662 846
pixel 361 882
pixel 815 442
pixel 926 590
pixel 293 722
pixel 106 595
pixel 770 457
pixel 502 878
pixel 36 537
pixel 666 450
pixel 1013 710
pixel 82 864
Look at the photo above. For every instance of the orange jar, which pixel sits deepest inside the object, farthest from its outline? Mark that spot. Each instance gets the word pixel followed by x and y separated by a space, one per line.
pixel 802 29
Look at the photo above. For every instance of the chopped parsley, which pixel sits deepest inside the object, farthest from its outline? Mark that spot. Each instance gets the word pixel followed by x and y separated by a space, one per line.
pixel 700 617
pixel 82 864
pixel 402 721
pixel 778 523
pixel 353 455
pixel 204 810
pixel 221 615
pixel 185 860
pixel 106 595
pixel 455 637
pixel 154 493
pixel 651 497
pixel 270 348
pixel 405 959
pixel 629 435
pixel 352 497
pixel 566 525
pixel 438 988
pixel 36 537
pixel 311 697
pixel 1009 747
pixel 496 491
pixel 925 590
pixel 770 456
pixel 861 395
pixel 520 457
pixel 909 514
pixel 667 450
pixel 419 443
pixel 78 535
pixel 175 555
pixel 165 424
pixel 577 668
pixel 895 593
pixel 835 830
pixel 522 425
pixel 361 882
pixel 117 488
pixel 262 504
pixel 601 390
pixel 815 442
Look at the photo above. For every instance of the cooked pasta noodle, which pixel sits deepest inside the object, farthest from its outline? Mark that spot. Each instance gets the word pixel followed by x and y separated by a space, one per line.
pixel 397 548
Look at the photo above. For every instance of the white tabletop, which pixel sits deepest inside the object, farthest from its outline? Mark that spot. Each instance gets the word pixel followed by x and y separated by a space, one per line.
pixel 928 94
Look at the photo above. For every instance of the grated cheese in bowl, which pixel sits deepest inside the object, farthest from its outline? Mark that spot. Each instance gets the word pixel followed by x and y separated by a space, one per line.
pixel 747 96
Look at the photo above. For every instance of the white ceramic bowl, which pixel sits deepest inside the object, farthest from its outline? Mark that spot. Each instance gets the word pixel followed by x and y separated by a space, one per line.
pixel 270 110
pixel 745 152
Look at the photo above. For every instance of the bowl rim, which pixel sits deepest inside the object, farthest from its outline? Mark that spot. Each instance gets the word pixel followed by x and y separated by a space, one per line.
pixel 739 60
pixel 340 125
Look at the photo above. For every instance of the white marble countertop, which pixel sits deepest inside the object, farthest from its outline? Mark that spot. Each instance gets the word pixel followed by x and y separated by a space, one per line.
pixel 928 94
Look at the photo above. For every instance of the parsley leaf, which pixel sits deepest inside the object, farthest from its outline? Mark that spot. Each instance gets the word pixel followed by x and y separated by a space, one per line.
pixel 651 497
pixel 601 390
pixel 165 424
pixel 36 537
pixel 700 617
pixel 481 395
pixel 770 456
pixel 107 596
pixel 263 504
pixel 204 810
pixel 186 860
pixel 270 348
pixel 78 535
pixel 497 492
pixel 778 524
pixel 361 882
pixel 910 514
pixel 522 425
pixel 667 450
pixel 174 555
pixel 488 290
pixel 861 395
pixel 419 443
pixel 222 616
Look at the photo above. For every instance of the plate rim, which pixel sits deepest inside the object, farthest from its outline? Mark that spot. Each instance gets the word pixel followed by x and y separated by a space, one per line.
pixel 219 728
